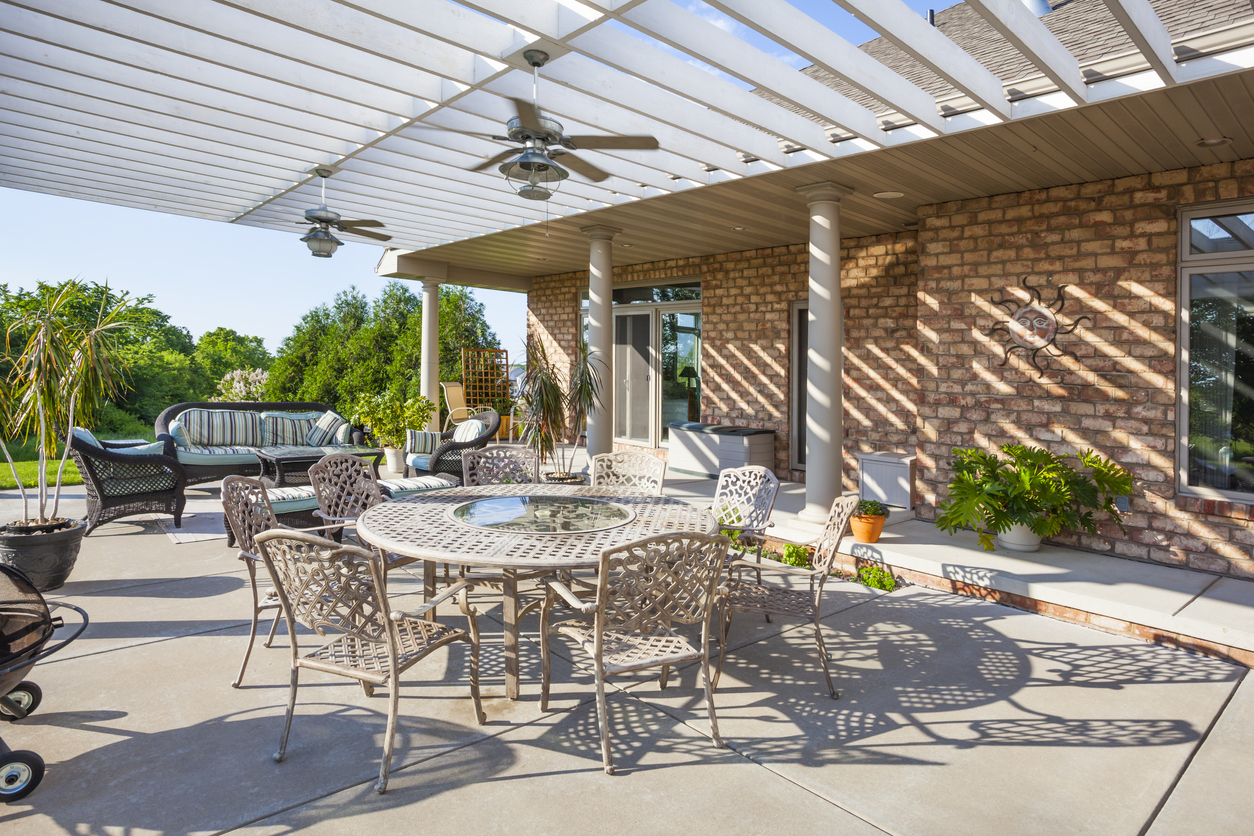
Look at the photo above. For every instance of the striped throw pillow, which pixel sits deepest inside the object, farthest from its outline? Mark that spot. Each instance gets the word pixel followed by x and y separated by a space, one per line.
pixel 286 429
pixel 221 428
pixel 421 441
pixel 324 429
pixel 469 430
pixel 344 435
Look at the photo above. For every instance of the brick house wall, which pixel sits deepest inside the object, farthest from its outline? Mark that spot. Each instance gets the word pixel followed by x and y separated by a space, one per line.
pixel 747 300
pixel 1115 243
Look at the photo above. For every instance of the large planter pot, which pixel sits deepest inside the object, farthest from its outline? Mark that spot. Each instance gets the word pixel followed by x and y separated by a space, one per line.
pixel 396 459
pixel 47 559
pixel 564 478
pixel 867 529
pixel 1019 538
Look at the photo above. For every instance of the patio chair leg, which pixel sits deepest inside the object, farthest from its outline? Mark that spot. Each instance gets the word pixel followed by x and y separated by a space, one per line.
pixel 603 721
pixel 252 632
pixel 471 614
pixel 287 724
pixel 366 688
pixel 818 637
pixel 394 694
pixel 666 672
pixel 724 616
pixel 274 627
pixel 709 697
pixel 545 611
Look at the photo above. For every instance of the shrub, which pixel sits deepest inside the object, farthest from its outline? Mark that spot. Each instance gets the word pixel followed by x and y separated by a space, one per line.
pixel 242 385
pixel 795 555
pixel 877 577
pixel 872 508
pixel 389 416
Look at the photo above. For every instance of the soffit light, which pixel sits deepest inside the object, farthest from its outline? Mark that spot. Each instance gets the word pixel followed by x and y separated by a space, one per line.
pixel 738 228
pixel 889 195
pixel 1214 142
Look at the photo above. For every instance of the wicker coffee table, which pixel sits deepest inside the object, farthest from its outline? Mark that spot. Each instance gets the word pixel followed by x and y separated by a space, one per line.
pixel 517 531
pixel 286 466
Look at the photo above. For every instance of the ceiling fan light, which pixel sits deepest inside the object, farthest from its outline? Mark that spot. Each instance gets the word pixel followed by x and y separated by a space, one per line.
pixel 532 192
pixel 321 243
pixel 533 167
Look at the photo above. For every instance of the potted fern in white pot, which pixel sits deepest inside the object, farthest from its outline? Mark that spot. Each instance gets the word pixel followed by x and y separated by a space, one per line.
pixel 64 363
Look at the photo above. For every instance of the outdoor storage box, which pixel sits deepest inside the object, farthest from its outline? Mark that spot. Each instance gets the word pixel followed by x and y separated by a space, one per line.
pixel 705 449
pixel 888 477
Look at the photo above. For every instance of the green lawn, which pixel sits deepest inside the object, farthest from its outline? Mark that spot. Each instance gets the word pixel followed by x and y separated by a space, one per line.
pixel 24 456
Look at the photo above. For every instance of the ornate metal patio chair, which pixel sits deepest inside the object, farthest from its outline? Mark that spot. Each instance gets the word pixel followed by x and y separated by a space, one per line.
pixel 347 486
pixel 738 595
pixel 248 511
pixel 643 588
pixel 743 501
pixel 343 590
pixel 500 465
pixel 629 470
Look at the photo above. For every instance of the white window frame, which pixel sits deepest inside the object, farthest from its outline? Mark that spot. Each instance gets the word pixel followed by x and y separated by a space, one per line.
pixel 1190 263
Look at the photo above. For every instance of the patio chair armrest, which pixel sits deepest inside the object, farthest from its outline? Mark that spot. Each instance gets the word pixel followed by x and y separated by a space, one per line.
pixel 449 592
pixel 562 590
pixel 773 566
pixel 331 519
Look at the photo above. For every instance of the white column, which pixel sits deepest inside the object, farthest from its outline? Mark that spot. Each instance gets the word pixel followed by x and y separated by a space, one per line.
pixel 825 409
pixel 429 372
pixel 601 334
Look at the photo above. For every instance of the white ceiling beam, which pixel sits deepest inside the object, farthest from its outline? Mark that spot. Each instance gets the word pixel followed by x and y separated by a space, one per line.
pixel 701 39
pixel 132 184
pixel 796 31
pixel 1141 22
pixel 161 202
pixel 398 263
pixel 912 34
pixel 111 199
pixel 1024 30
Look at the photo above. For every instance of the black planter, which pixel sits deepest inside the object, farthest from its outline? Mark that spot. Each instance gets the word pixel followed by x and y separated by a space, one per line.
pixel 564 478
pixel 47 559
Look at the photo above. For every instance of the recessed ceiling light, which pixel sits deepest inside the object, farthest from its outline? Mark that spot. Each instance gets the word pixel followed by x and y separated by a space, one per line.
pixel 1214 142
pixel 626 245
pixel 739 228
pixel 889 195
pixel 541 258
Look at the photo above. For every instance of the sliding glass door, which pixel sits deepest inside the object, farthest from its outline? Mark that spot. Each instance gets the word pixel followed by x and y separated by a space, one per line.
pixel 633 377
pixel 657 372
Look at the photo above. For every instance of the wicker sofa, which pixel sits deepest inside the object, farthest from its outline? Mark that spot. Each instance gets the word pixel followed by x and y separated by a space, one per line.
pixel 215 440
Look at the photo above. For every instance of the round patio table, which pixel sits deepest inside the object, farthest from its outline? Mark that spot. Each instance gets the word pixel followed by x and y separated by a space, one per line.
pixel 521 529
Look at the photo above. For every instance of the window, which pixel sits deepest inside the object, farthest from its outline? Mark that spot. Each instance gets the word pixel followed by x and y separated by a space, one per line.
pixel 650 294
pixel 1217 352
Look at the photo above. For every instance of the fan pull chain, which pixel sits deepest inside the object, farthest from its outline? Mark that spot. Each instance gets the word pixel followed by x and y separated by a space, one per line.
pixel 546 218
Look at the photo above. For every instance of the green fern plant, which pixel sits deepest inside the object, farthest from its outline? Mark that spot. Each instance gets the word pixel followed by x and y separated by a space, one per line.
pixel 1031 487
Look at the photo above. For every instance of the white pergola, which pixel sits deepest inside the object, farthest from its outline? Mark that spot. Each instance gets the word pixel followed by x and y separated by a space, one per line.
pixel 222 109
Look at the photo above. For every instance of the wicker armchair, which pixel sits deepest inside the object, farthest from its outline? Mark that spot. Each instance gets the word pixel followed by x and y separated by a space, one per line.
pixel 343 589
pixel 500 465
pixel 643 588
pixel 121 485
pixel 447 458
pixel 629 470
pixel 738 595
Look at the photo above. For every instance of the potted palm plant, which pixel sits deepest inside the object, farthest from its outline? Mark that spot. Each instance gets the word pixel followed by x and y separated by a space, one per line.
pixel 63 365
pixel 388 416
pixel 551 414
pixel 1029 494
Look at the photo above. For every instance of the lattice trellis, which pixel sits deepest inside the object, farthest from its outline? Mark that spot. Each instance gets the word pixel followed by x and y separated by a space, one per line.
pixel 485 377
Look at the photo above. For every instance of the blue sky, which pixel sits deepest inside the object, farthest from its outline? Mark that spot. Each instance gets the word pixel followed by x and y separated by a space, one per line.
pixel 260 282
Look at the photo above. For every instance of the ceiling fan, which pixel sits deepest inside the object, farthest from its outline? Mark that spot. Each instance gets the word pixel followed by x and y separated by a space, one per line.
pixel 320 240
pixel 529 168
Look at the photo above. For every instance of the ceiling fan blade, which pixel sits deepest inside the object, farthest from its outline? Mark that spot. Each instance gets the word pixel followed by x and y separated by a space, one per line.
pixel 647 143
pixel 361 223
pixel 367 234
pixel 499 158
pixel 583 167
pixel 528 116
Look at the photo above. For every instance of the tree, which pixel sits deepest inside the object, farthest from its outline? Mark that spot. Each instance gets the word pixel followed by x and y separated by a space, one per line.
pixel 355 346
pixel 223 350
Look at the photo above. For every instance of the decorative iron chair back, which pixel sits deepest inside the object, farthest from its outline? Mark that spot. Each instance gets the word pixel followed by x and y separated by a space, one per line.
pixel 837 526
pixel 659 581
pixel 346 486
pixel 500 465
pixel 327 586
pixel 248 510
pixel 630 470
pixel 745 497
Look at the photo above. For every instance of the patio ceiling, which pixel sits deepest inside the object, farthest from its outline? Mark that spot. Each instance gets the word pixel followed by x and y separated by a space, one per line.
pixel 221 110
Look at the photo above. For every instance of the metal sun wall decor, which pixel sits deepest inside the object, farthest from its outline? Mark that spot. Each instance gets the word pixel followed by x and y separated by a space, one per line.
pixel 1033 327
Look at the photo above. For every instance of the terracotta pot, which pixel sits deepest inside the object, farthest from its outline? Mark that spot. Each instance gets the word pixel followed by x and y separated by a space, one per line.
pixel 867 529
pixel 1019 538
pixel 396 459
pixel 47 559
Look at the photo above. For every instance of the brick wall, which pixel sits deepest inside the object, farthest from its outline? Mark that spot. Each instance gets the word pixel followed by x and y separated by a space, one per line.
pixel 1115 243
pixel 747 300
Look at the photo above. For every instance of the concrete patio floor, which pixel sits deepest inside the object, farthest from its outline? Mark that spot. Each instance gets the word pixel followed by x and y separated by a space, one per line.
pixel 956 717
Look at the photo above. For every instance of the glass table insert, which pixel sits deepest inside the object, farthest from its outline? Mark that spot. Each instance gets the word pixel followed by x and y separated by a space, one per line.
pixel 542 514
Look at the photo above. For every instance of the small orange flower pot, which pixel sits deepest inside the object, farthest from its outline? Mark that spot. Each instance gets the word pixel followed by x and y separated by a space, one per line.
pixel 867 529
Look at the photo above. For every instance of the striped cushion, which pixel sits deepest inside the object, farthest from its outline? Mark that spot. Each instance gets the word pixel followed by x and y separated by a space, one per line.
pixel 287 500
pixel 421 441
pixel 324 429
pixel 344 435
pixel 217 455
pixel 469 430
pixel 397 488
pixel 288 429
pixel 221 428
